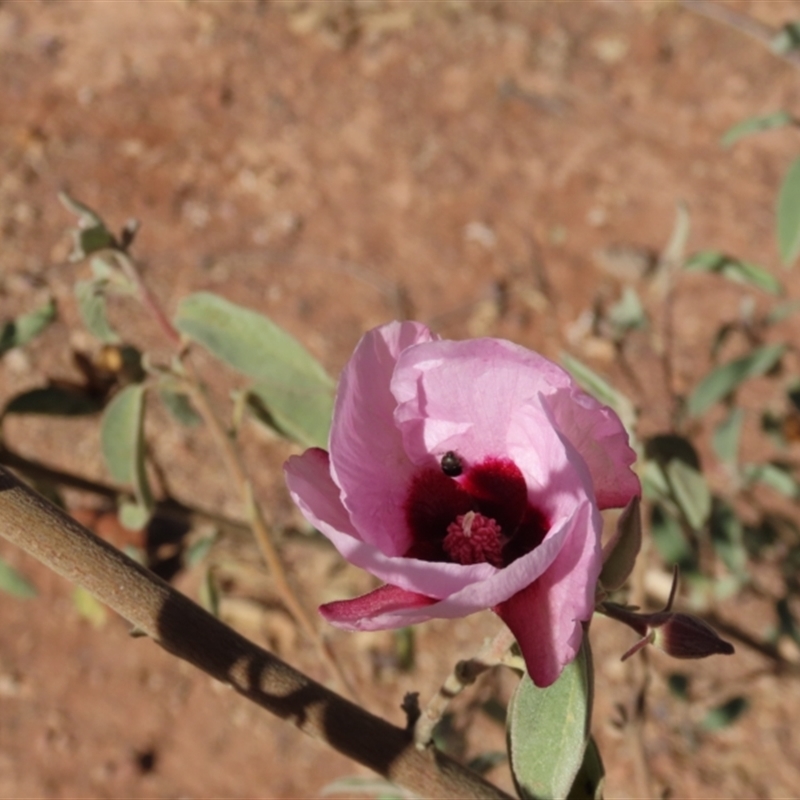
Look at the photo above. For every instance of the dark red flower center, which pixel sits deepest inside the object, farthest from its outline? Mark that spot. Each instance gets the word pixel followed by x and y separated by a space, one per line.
pixel 480 516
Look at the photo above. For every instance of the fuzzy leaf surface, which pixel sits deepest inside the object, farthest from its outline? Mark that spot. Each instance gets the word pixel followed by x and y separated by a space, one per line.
pixel 726 378
pixel 288 380
pixel 548 730
pixel 788 214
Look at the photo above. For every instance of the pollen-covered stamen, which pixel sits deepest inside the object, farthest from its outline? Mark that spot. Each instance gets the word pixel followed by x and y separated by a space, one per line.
pixel 474 539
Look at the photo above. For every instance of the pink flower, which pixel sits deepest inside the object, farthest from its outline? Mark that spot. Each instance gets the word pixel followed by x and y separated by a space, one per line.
pixel 467 475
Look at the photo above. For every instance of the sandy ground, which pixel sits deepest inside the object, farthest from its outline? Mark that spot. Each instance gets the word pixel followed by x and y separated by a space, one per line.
pixel 489 168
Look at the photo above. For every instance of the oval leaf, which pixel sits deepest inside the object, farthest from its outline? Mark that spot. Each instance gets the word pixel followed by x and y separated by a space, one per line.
pixel 781 312
pixel 92 308
pixel 122 440
pixel 180 407
pixel 601 390
pixel 548 730
pixel 762 122
pixel 690 491
pixel 619 554
pixel 726 436
pixel 589 781
pixel 734 269
pixel 133 515
pixel 14 583
pixel 670 540
pixel 776 475
pixel 289 381
pixel 786 39
pixel 627 314
pixel 727 538
pixel 726 714
pixel 788 215
pixel 26 327
pixel 723 380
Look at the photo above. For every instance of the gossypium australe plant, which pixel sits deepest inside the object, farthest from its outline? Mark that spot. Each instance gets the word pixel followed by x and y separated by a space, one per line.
pixel 467 475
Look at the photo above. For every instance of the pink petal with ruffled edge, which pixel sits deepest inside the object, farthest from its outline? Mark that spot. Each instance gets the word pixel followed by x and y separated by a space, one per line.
pixel 368 461
pixel 481 398
pixel 560 484
pixel 466 394
pixel 487 381
pixel 598 435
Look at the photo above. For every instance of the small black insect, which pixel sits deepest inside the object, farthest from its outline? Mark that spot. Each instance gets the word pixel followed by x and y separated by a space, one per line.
pixel 451 464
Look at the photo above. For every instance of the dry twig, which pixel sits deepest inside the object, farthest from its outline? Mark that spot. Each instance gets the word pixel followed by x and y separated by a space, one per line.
pixel 188 632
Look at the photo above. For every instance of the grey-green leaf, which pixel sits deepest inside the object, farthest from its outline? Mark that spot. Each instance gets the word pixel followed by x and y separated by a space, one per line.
pixel 133 515
pixel 776 475
pixel 757 124
pixel 727 538
pixel 122 440
pixel 627 314
pixel 669 539
pixel 727 434
pixel 786 40
pixel 734 269
pixel 619 554
pixel 589 781
pixel 92 308
pixel 25 327
pixel 12 582
pixel 91 240
pixel 208 592
pixel 726 714
pixel 180 407
pixel 199 549
pixel 723 380
pixel 548 730
pixel 788 214
pixel 781 311
pixel 599 388
pixel 358 785
pixel 290 382
pixel 690 491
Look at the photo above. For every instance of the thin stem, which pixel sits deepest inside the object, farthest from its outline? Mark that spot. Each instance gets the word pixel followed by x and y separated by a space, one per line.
pixel 638 672
pixel 168 508
pixel 465 674
pixel 188 632
pixel 174 509
pixel 147 298
pixel 668 342
pixel 260 530
pixel 239 474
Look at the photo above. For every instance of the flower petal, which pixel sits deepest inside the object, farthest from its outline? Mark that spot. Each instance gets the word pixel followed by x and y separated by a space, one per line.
pixel 492 590
pixel 317 496
pixel 546 617
pixel 367 613
pixel 308 477
pixel 599 436
pixel 466 394
pixel 368 461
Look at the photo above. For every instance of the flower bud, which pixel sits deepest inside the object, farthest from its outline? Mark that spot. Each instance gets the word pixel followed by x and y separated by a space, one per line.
pixel 678 635
pixel 686 636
